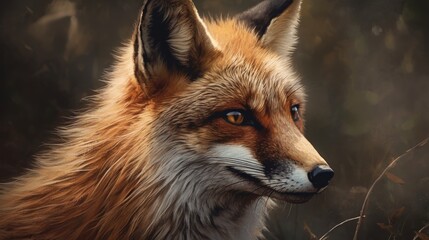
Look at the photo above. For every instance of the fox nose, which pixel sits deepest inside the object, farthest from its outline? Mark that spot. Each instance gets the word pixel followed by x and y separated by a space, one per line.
pixel 320 176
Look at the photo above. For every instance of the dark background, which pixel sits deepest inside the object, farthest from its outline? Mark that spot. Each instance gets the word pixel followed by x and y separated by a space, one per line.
pixel 365 64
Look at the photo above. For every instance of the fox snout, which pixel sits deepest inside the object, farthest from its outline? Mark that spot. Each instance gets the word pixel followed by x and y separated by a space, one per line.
pixel 305 156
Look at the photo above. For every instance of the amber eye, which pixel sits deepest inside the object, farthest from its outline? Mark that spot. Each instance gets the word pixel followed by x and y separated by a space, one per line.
pixel 294 110
pixel 234 117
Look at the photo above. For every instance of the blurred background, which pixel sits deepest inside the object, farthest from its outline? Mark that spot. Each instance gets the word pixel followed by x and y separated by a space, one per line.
pixel 365 64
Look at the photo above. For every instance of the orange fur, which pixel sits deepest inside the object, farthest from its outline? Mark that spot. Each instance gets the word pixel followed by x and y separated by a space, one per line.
pixel 143 161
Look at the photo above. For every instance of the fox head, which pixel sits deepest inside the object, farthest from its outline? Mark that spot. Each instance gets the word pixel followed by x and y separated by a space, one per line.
pixel 225 106
pixel 199 120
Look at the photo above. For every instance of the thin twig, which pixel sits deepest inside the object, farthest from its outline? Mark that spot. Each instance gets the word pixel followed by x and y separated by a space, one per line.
pixel 420 231
pixel 325 236
pixel 392 164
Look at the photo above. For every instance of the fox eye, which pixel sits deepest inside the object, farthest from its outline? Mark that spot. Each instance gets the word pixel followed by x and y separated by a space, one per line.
pixel 294 110
pixel 239 117
pixel 235 117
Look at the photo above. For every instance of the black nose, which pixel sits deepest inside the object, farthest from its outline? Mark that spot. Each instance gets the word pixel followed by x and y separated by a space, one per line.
pixel 320 176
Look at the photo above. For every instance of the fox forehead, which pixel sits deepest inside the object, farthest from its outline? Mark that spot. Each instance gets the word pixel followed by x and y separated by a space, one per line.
pixel 262 83
pixel 267 77
pixel 245 74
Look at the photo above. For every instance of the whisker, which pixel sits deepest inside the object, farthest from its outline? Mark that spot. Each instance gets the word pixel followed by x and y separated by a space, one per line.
pixel 229 185
pixel 290 210
pixel 268 198
pixel 259 199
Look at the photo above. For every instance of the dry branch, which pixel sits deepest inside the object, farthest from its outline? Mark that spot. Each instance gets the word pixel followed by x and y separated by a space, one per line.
pixel 420 231
pixel 325 236
pixel 392 164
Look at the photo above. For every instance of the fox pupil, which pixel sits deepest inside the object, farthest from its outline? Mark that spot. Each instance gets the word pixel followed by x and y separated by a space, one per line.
pixel 295 113
pixel 235 117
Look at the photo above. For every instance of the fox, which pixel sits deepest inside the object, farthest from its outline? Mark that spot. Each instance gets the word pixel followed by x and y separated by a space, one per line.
pixel 197 132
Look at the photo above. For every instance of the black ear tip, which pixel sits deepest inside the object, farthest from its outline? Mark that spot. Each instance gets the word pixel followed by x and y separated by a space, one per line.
pixel 259 17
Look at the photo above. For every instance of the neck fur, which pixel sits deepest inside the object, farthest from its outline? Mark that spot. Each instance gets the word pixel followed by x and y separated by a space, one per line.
pixel 209 215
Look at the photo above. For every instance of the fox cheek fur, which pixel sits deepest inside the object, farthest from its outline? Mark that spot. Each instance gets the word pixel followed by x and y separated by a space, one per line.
pixel 199 122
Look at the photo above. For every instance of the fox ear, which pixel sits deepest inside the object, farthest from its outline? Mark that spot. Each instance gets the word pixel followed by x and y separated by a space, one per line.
pixel 275 22
pixel 170 39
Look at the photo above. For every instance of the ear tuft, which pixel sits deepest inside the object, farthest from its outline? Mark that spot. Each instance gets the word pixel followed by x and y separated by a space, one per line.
pixel 275 23
pixel 260 16
pixel 170 39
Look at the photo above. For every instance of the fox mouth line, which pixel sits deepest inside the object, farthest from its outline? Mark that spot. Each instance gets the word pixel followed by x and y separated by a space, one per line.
pixel 292 197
